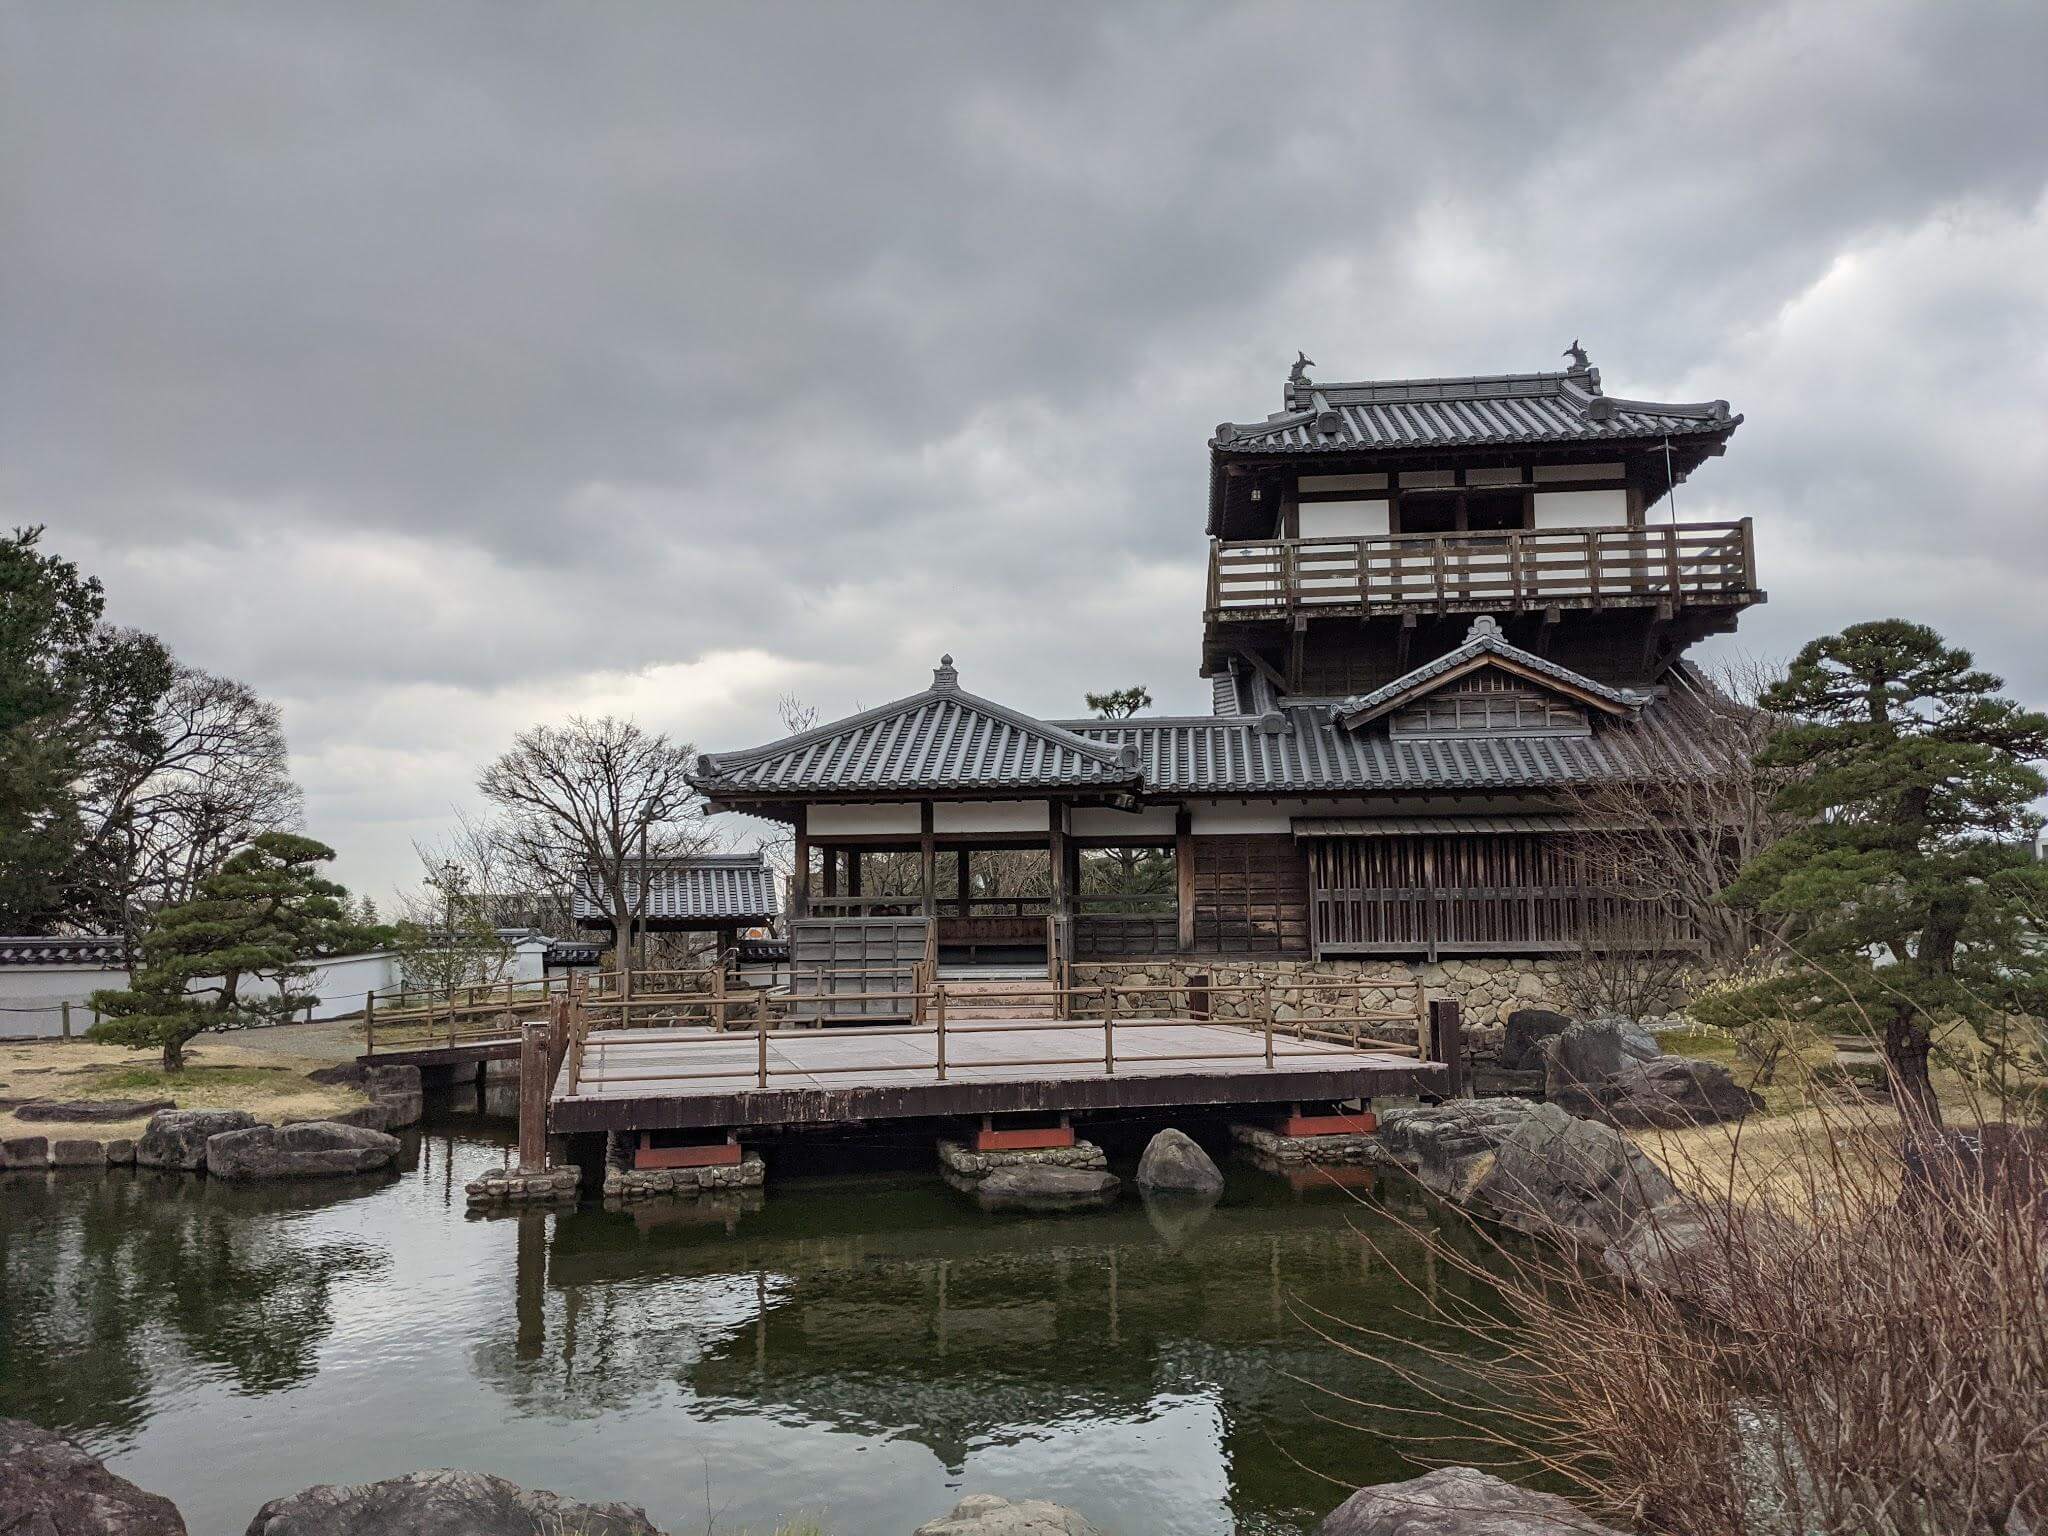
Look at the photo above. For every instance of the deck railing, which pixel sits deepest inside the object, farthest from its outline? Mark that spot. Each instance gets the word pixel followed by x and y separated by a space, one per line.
pixel 1089 1009
pixel 1515 569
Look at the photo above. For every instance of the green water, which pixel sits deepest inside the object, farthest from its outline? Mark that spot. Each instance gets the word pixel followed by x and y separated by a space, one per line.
pixel 866 1346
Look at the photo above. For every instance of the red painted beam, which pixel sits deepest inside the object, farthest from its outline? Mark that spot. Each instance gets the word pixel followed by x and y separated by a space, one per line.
pixel 1034 1139
pixel 721 1154
pixel 1364 1123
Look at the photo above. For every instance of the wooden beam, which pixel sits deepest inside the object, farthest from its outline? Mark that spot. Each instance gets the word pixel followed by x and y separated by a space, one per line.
pixel 1184 875
pixel 1270 672
pixel 928 860
pixel 800 878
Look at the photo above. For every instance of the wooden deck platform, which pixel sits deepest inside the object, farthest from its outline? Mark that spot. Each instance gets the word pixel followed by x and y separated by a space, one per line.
pixel 647 1079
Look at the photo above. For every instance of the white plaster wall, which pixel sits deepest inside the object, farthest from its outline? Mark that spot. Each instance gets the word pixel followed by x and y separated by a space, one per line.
pixel 1342 519
pixel 860 819
pixel 32 996
pixel 1100 821
pixel 1581 509
pixel 991 816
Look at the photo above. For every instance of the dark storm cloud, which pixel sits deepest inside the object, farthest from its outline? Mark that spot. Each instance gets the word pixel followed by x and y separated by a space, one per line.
pixel 437 368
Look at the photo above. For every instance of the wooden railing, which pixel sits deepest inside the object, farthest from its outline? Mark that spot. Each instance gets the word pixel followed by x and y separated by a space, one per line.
pixel 1521 568
pixel 1091 1009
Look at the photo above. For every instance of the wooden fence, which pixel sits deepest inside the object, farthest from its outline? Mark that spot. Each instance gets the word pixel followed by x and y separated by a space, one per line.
pixel 1516 569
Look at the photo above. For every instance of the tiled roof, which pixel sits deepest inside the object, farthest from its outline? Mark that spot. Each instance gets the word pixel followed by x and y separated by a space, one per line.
pixel 1300 750
pixel 1499 409
pixel 1484 640
pixel 95 949
pixel 710 888
pixel 944 739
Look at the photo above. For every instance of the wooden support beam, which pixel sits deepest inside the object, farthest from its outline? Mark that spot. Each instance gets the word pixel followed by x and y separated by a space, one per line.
pixel 533 1099
pixel 1271 673
pixel 800 879
pixel 963 878
pixel 928 861
pixel 1184 875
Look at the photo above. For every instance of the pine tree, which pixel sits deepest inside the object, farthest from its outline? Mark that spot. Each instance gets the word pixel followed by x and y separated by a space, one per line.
pixel 1912 874
pixel 232 955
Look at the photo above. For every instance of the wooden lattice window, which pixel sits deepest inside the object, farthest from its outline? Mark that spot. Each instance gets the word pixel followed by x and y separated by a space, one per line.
pixel 1494 705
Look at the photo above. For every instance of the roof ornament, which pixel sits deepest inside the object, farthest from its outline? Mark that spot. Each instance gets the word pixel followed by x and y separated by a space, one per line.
pixel 1297 378
pixel 943 675
pixel 1577 354
pixel 1485 627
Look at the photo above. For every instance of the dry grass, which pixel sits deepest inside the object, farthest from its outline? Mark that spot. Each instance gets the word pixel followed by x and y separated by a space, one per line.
pixel 1841 1358
pixel 221 1073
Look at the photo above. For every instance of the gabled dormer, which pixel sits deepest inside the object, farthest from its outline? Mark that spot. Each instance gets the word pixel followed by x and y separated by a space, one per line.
pixel 1487 687
pixel 1411 504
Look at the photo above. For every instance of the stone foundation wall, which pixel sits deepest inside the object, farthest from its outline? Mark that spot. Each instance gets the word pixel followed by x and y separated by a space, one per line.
pixel 1486 990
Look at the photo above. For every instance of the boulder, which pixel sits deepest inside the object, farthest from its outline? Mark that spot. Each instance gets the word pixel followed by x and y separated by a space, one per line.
pixel 49 1487
pixel 1674 1249
pixel 1174 1161
pixel 1586 1055
pixel 121 1151
pixel 1451 1147
pixel 1043 1188
pixel 1456 1501
pixel 1560 1176
pixel 176 1138
pixel 368 1116
pixel 25 1152
pixel 78 1152
pixel 443 1504
pixel 1527 1029
pixel 987 1514
pixel 90 1111
pixel 398 1092
pixel 1671 1091
pixel 313 1149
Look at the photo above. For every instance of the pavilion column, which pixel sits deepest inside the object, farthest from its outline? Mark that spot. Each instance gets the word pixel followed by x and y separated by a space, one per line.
pixel 853 871
pixel 800 877
pixel 928 861
pixel 831 870
pixel 1063 855
pixel 1184 876
pixel 963 879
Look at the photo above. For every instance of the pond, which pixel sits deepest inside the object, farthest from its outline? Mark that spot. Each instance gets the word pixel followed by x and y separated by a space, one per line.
pixel 863 1346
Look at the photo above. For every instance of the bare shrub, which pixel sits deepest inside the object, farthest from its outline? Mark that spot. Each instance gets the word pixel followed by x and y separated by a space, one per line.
pixel 1847 1351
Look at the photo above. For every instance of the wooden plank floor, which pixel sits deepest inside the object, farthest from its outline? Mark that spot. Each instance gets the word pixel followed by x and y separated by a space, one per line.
pixel 632 1077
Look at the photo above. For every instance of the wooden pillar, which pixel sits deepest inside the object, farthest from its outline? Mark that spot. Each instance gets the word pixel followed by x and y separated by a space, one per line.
pixel 853 871
pixel 800 876
pixel 831 870
pixel 928 861
pixel 533 1099
pixel 1184 876
pixel 963 879
pixel 1057 850
pixel 1447 1044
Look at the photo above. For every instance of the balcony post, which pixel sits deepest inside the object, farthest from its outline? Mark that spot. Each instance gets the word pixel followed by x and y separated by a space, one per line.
pixel 1748 556
pixel 1215 575
pixel 1515 565
pixel 1671 559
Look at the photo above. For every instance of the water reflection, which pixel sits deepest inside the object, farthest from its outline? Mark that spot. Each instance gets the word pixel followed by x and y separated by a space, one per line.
pixel 867 1345
pixel 892 1308
pixel 99 1272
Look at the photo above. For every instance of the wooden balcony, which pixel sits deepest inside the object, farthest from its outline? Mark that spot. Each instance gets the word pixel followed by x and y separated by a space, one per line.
pixel 1662 565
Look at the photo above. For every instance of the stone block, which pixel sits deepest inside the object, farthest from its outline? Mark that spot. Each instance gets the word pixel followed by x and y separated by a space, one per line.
pixel 78 1152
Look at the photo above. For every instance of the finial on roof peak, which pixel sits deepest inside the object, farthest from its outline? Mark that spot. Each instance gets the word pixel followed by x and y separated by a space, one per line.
pixel 943 675
pixel 1298 383
pixel 1577 354
pixel 1485 627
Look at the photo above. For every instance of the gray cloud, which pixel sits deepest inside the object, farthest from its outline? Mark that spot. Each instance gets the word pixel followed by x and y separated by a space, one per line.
pixel 436 368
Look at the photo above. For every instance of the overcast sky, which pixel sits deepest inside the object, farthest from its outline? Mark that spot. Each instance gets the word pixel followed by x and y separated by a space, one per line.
pixel 442 369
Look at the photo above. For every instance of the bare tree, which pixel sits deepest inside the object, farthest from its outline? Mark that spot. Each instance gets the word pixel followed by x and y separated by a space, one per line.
pixel 217 775
pixel 587 804
pixel 1675 842
pixel 503 889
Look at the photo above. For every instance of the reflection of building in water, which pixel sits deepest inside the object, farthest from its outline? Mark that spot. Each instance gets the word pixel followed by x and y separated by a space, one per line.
pixel 945 1328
